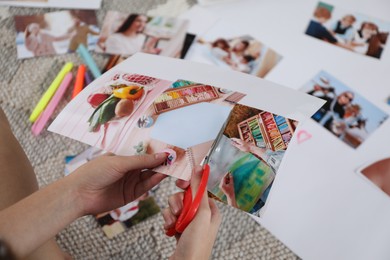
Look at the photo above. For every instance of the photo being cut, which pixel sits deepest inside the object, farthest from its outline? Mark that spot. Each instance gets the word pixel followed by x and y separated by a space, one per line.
pixel 349 30
pixel 247 157
pixel 346 114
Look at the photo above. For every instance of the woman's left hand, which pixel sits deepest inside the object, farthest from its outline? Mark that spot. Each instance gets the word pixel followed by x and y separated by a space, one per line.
pixel 110 181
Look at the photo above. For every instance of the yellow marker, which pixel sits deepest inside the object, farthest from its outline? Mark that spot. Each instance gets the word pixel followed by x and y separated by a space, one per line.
pixel 45 99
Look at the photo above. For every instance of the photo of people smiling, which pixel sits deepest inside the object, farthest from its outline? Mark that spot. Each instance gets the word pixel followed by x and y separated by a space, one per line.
pixel 355 32
pixel 128 33
pixel 232 51
pixel 247 156
pixel 55 32
pixel 346 114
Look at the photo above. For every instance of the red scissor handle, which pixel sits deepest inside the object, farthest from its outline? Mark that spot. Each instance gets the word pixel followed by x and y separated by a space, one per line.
pixel 190 207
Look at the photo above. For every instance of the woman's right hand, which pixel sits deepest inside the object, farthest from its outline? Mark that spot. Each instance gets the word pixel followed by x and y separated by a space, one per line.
pixel 197 240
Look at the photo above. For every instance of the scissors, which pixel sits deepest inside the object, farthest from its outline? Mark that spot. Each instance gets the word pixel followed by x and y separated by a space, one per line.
pixel 190 206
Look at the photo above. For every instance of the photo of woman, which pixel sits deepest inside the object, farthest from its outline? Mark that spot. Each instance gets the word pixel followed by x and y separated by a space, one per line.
pixel 125 34
pixel 244 54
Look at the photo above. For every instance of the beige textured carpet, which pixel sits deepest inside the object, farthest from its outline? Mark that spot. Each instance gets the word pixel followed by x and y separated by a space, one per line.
pixel 21 85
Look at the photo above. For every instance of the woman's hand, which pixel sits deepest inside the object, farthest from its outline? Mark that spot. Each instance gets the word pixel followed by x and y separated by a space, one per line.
pixel 110 181
pixel 197 240
pixel 240 144
pixel 227 187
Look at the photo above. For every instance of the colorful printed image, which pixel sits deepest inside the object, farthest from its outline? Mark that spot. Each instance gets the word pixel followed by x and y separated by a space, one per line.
pixel 55 33
pixel 184 116
pixel 126 34
pixel 123 218
pixel 247 156
pixel 346 114
pixel 379 174
pixel 244 54
pixel 349 30
pixel 129 114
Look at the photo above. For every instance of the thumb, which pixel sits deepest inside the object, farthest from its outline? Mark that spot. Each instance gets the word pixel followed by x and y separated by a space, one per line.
pixel 137 162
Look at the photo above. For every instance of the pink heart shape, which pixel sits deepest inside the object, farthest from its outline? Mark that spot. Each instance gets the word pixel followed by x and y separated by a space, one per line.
pixel 303 136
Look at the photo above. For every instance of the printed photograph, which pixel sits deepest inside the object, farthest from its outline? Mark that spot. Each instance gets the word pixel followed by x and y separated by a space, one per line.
pixel 119 220
pixel 378 173
pixel 184 116
pixel 243 53
pixel 126 34
pixel 55 33
pixel 346 114
pixel 129 114
pixel 247 156
pixel 349 30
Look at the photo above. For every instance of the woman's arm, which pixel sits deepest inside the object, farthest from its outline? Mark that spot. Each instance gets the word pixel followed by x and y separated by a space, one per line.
pixel 103 184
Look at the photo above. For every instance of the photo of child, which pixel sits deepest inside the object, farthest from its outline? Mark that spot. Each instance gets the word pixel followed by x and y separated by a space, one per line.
pixel 247 157
pixel 352 31
pixel 125 34
pixel 55 33
pixel 346 114
pixel 243 53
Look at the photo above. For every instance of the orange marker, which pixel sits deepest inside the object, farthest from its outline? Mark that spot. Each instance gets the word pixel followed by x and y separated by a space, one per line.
pixel 79 83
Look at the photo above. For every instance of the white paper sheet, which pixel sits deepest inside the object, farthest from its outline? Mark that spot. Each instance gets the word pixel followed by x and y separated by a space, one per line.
pixel 319 206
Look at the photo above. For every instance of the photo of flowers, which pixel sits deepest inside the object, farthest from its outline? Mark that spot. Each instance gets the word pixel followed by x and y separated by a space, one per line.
pixel 247 157
pixel 349 30
pixel 346 114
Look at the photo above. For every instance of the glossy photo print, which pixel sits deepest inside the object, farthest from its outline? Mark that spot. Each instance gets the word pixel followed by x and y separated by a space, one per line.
pixel 349 30
pixel 128 33
pixel 346 114
pixel 241 53
pixel 129 114
pixel 55 33
pixel 247 157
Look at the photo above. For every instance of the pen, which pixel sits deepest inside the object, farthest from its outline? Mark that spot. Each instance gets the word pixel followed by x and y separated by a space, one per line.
pixel 87 58
pixel 45 99
pixel 45 115
pixel 79 82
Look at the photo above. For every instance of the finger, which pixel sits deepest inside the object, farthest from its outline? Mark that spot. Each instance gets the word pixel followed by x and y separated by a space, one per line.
pixel 169 218
pixel 182 184
pixel 175 203
pixel 146 161
pixel 108 154
pixel 215 214
pixel 146 184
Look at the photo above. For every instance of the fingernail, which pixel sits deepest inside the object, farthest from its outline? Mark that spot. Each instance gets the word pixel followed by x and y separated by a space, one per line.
pixel 159 156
